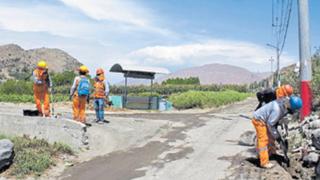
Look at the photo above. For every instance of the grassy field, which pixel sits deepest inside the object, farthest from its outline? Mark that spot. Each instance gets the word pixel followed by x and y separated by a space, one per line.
pixel 201 99
pixel 24 98
pixel 34 156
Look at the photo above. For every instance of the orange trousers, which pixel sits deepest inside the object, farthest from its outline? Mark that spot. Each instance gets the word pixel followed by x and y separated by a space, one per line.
pixel 41 94
pixel 79 108
pixel 265 143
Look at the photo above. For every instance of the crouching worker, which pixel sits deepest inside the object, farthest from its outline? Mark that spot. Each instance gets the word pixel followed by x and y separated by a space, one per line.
pixel 101 92
pixel 267 95
pixel 41 85
pixel 266 119
pixel 80 94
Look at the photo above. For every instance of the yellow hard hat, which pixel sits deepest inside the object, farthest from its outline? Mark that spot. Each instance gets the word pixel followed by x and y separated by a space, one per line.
pixel 42 64
pixel 84 69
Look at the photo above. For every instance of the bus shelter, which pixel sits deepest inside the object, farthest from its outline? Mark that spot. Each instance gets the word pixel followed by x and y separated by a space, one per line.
pixel 139 72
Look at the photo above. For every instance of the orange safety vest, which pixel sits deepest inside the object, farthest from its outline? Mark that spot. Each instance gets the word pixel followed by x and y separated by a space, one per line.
pixel 41 74
pixel 99 89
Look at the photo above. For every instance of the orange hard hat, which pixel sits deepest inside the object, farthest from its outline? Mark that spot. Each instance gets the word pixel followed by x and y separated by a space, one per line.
pixel 288 89
pixel 100 71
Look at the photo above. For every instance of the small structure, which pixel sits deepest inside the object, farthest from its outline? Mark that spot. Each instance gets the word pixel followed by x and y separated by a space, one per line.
pixel 138 72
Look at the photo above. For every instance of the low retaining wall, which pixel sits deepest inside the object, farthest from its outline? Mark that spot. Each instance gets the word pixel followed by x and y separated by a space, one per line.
pixel 53 130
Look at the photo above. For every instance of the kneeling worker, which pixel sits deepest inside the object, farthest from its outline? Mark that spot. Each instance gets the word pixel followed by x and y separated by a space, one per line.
pixel 266 119
pixel 41 85
pixel 80 92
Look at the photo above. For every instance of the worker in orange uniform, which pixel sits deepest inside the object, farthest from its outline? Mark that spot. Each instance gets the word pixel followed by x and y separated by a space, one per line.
pixel 101 91
pixel 267 95
pixel 266 120
pixel 80 93
pixel 41 88
pixel 283 91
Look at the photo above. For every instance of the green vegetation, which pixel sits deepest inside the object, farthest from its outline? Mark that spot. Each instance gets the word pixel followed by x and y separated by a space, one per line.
pixel 21 91
pixel 16 87
pixel 182 81
pixel 63 79
pixel 198 99
pixel 167 90
pixel 24 98
pixel 34 156
pixel 145 94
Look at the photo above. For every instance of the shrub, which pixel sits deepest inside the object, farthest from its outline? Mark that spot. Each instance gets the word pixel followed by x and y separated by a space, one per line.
pixel 23 98
pixel 34 156
pixel 166 90
pixel 145 94
pixel 16 87
pixel 182 81
pixel 192 99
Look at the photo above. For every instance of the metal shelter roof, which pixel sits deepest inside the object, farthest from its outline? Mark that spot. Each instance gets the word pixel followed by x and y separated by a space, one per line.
pixel 141 72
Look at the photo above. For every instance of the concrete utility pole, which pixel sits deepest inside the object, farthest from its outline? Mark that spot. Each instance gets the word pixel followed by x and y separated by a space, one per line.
pixel 277 83
pixel 305 58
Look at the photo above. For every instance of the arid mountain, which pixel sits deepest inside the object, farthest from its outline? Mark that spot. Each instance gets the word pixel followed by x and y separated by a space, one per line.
pixel 218 74
pixel 16 62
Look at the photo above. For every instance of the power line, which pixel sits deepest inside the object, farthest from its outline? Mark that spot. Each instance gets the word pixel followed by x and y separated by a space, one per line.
pixel 287 26
pixel 281 23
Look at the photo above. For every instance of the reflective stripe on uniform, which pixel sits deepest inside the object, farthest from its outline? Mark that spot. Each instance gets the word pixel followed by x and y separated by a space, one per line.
pixel 262 149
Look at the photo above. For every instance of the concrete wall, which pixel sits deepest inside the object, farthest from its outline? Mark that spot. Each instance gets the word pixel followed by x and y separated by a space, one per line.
pixel 51 129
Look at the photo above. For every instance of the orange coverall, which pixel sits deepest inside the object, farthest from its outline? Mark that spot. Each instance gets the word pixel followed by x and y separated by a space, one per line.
pixel 79 103
pixel 40 89
pixel 265 142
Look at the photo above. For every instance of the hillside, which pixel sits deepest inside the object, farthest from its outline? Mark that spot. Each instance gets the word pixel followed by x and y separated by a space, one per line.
pixel 218 74
pixel 17 63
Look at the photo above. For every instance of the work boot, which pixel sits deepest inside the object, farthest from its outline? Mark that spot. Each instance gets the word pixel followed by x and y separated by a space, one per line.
pixel 268 166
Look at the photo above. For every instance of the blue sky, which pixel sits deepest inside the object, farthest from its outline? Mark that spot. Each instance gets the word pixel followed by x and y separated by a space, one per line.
pixel 174 34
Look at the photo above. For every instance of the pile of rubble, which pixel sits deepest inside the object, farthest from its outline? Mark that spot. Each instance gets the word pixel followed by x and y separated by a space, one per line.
pixel 304 147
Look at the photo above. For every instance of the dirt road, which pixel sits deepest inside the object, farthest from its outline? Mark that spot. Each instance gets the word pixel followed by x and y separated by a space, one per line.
pixel 192 149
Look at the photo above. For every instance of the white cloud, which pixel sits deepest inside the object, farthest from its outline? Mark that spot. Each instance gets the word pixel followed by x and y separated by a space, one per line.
pixel 59 19
pixel 119 11
pixel 44 18
pixel 248 55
